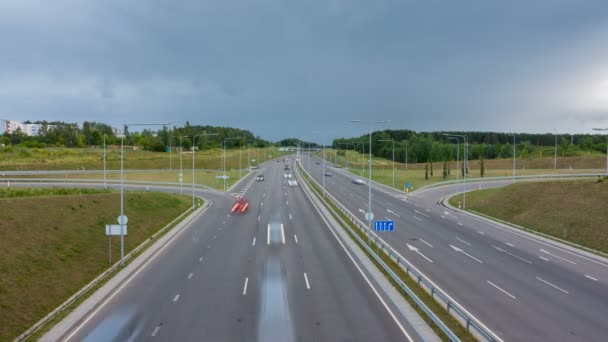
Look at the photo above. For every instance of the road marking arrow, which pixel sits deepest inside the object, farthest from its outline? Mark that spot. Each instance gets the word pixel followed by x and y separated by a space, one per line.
pixel 465 253
pixel 511 254
pixel 415 249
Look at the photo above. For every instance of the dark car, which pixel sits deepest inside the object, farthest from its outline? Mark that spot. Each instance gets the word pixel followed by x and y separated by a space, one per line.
pixel 286 167
pixel 259 178
pixel 328 174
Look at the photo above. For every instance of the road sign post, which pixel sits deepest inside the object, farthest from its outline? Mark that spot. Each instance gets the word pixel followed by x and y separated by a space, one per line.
pixel 384 226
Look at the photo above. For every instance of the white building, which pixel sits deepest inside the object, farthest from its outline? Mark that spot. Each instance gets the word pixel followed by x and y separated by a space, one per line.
pixel 11 126
pixel 31 129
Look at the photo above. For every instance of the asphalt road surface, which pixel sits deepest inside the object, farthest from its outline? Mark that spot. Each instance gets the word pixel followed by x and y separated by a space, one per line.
pixel 521 288
pixel 275 273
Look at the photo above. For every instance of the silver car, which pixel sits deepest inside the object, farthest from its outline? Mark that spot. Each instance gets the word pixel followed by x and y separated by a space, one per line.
pixel 359 181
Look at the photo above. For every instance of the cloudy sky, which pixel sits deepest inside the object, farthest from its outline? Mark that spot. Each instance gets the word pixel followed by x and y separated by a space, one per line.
pixel 304 68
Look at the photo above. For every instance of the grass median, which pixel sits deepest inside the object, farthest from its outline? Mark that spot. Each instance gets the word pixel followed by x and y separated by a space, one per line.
pixel 53 243
pixel 424 296
pixel 574 211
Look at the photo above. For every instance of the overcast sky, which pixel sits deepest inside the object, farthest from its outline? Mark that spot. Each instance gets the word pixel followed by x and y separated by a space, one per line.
pixel 304 68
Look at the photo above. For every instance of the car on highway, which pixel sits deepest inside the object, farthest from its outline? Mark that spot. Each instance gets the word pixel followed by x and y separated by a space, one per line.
pixel 286 167
pixel 318 163
pixel 359 181
pixel 328 174
pixel 259 178
pixel 292 183
pixel 287 175
pixel 241 204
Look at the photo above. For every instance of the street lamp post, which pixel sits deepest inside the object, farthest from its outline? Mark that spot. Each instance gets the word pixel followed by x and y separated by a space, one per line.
pixel 181 168
pixel 393 141
pixel 224 162
pixel 604 129
pixel 457 156
pixel 406 154
pixel 193 151
pixel 555 151
pixel 465 164
pixel 513 181
pixel 122 220
pixel 369 214
pixel 105 185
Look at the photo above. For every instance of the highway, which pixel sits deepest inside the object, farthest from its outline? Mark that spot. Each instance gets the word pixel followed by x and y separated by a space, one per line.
pixel 275 273
pixel 521 288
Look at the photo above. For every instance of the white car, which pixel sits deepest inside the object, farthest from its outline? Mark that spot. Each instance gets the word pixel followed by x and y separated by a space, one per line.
pixel 359 181
pixel 292 182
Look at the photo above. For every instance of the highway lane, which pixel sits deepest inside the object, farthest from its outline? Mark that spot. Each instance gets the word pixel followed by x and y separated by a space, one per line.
pixel 498 276
pixel 231 278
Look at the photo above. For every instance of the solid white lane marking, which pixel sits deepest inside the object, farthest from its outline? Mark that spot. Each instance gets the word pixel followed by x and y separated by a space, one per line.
pixel 510 244
pixel 465 253
pixel 428 244
pixel 176 298
pixel 268 233
pixel 258 218
pixel 291 218
pixel 557 256
pixel 245 287
pixel 542 257
pixel 415 249
pixel 503 291
pixel 392 212
pixel 590 277
pixel 190 275
pixel 282 234
pixel 553 286
pixel 511 254
pixel 306 279
pixel 295 237
pixel 417 218
pixel 253 244
pixel 155 331
pixel 482 233
pixel 461 240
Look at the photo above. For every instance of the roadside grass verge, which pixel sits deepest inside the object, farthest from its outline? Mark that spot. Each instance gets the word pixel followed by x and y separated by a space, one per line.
pixel 424 296
pixel 574 211
pixel 50 247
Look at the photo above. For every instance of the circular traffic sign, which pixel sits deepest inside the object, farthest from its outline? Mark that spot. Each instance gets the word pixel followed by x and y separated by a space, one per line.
pixel 123 219
pixel 369 216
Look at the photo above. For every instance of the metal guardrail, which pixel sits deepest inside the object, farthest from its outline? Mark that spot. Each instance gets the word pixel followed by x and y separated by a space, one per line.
pixel 96 172
pixel 437 293
pixel 101 181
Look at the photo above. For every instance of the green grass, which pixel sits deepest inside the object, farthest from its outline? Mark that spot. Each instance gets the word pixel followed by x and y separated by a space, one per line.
pixel 571 210
pixel 50 247
pixel 424 296
pixel 21 158
pixel 382 169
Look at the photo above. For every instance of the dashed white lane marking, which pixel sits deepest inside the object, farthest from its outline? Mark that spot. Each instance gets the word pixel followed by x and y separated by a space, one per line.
pixel 253 244
pixel 287 202
pixel 557 256
pixel 503 291
pixel 542 257
pixel 224 222
pixel 190 275
pixel 245 287
pixel 461 240
pixel 268 235
pixel 155 331
pixel 306 279
pixel 392 212
pixel 510 244
pixel 553 286
pixel 200 259
pixel 285 194
pixel 443 217
pixel 214 237
pixel 258 218
pixel 417 218
pixel 459 223
pixel 295 237
pixel 176 298
pixel 482 233
pixel 590 277
pixel 291 218
pixel 428 244
pixel 262 204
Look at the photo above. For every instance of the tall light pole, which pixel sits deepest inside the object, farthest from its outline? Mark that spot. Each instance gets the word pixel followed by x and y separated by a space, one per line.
pixel 170 154
pixel 224 162
pixel 465 164
pixel 457 156
pixel 555 150
pixel 513 159
pixel 193 151
pixel 604 129
pixel 105 185
pixel 181 168
pixel 122 218
pixel 406 154
pixel 369 215
pixel 393 141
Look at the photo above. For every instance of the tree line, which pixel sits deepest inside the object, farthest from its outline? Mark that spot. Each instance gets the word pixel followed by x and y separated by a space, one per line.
pixel 422 147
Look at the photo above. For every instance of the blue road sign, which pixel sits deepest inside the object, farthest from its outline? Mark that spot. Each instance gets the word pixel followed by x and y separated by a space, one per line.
pixel 408 185
pixel 384 226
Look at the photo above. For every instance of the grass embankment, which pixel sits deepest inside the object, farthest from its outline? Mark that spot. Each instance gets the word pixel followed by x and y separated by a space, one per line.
pixel 571 210
pixel 424 296
pixel 21 158
pixel 52 243
pixel 382 169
